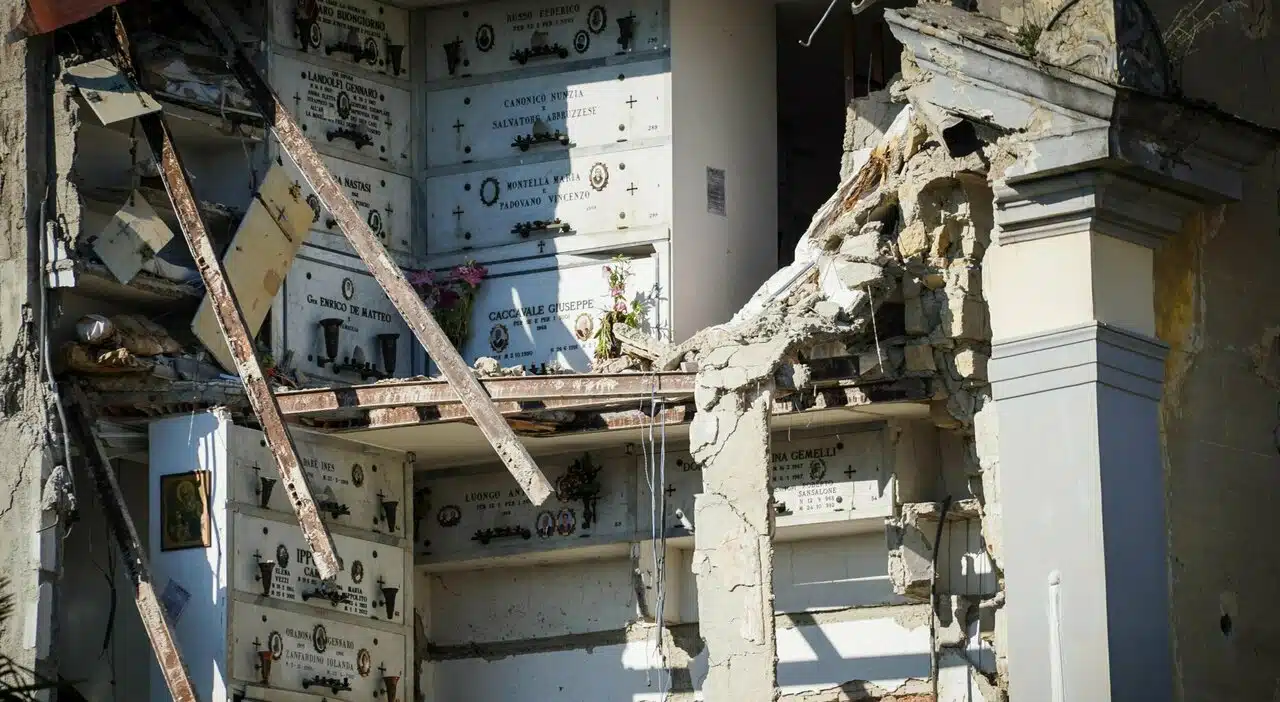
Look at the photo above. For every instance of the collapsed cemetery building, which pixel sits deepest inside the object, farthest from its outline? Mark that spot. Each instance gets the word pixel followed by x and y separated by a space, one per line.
pixel 639 349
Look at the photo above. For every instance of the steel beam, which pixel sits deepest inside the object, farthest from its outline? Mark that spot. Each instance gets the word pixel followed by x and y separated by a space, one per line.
pixel 661 386
pixel 232 325
pixel 424 326
pixel 120 522
pixel 410 415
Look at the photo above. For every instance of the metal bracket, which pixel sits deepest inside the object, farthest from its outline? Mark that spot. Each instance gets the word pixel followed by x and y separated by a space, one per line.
pixel 523 56
pixel 359 138
pixel 356 52
pixel 524 229
pixel 334 684
pixel 334 508
pixel 327 592
pixel 484 536
pixel 524 143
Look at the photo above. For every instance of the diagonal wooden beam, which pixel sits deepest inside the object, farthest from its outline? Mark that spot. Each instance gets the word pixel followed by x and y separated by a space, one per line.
pixel 120 522
pixel 232 325
pixel 424 326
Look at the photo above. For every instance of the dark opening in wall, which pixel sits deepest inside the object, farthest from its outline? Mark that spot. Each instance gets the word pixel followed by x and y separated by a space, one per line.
pixel 850 57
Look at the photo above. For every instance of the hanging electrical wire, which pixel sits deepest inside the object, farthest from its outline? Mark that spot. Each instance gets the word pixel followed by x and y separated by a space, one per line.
pixel 655 461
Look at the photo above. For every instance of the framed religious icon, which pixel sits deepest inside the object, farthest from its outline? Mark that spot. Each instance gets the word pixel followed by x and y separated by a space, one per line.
pixel 184 511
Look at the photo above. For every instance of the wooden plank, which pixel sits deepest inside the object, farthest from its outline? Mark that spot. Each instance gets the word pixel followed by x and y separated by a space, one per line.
pixel 428 332
pixel 232 324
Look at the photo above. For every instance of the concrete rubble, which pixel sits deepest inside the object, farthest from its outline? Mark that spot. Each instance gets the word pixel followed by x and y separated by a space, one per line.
pixel 889 272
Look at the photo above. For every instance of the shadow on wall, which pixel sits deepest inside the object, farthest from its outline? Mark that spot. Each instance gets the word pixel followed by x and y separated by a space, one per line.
pixel 846 626
pixel 872 655
pixel 103 646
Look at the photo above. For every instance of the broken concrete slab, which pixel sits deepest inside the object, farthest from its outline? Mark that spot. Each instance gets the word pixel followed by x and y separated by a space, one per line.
pixel 257 262
pixel 733 549
pixel 134 236
pixel 636 343
pixel 911 537
pixel 109 93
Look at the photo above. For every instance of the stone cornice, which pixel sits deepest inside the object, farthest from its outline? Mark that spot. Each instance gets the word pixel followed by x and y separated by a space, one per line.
pixel 1085 354
pixel 972 67
pixel 1095 201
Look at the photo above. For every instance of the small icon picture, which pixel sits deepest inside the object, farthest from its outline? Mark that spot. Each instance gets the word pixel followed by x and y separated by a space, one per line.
pixel 546 525
pixel 566 522
pixel 449 516
pixel 484 38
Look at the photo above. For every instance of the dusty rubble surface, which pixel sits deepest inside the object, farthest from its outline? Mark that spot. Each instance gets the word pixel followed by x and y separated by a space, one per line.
pixel 890 270
pixel 887 287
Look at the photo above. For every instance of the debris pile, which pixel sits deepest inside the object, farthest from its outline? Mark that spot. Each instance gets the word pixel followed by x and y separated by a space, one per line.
pixel 888 276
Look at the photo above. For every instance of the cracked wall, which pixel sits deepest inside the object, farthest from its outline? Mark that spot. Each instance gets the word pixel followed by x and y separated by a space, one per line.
pixel 1220 415
pixel 898 251
pixel 733 562
pixel 1220 423
pixel 25 124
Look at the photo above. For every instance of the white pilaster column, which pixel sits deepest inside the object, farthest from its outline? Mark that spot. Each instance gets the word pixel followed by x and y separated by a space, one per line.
pixel 1077 378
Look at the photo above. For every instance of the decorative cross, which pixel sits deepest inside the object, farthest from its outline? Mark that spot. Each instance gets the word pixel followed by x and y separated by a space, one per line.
pixel 631 101
pixel 671 490
pixel 542 246
pixel 632 189
pixel 850 472
pixel 458 126
pixel 458 212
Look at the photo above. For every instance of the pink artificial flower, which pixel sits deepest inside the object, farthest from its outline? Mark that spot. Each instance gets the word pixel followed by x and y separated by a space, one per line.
pixel 617 291
pixel 420 278
pixel 620 306
pixel 447 298
pixel 471 274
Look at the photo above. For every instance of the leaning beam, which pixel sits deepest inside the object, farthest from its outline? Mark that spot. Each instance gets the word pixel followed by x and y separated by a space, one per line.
pixel 428 332
pixel 120 522
pixel 231 322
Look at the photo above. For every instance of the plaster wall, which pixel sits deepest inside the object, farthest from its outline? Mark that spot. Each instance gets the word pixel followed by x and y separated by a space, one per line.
pixel 1216 287
pixel 26 120
pixel 570 630
pixel 723 94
